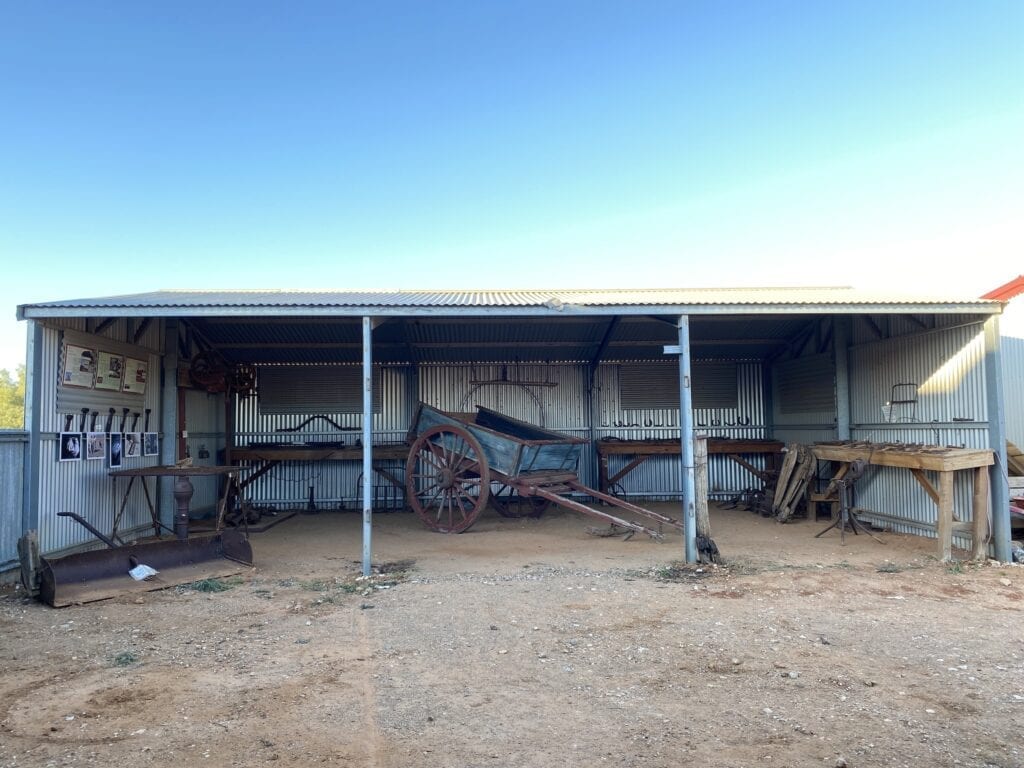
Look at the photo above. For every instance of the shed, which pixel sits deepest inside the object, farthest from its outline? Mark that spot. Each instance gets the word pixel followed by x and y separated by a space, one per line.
pixel 214 371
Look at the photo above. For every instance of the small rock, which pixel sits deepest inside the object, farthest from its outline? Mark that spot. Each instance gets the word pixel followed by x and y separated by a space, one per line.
pixel 840 762
pixel 494 627
pixel 139 601
pixel 736 662
pixel 1005 582
pixel 503 651
pixel 767 710
pixel 870 683
pixel 793 674
pixel 364 606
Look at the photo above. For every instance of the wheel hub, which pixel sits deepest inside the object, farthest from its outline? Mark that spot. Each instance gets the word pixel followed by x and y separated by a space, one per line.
pixel 446 479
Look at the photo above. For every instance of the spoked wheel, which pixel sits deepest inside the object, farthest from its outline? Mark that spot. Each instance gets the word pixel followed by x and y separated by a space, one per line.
pixel 510 503
pixel 447 478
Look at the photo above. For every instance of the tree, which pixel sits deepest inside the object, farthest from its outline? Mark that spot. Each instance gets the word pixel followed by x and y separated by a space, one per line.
pixel 12 398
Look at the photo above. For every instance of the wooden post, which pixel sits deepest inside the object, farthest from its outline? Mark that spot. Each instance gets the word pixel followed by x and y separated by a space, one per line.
pixel 700 476
pixel 945 525
pixel 979 510
pixel 707 550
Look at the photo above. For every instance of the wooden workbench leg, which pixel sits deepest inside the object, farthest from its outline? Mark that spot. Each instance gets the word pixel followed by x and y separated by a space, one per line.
pixel 980 512
pixel 945 523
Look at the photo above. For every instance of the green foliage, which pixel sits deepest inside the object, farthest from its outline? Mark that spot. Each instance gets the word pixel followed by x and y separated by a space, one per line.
pixel 125 658
pixel 212 585
pixel 12 398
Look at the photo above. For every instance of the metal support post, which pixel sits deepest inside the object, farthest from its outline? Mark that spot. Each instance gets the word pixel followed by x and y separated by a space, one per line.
pixel 997 442
pixel 686 438
pixel 367 443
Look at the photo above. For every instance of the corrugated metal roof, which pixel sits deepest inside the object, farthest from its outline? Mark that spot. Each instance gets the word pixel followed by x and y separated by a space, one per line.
pixel 1007 291
pixel 294 302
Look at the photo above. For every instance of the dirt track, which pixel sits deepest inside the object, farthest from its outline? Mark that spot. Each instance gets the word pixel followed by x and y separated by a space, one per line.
pixel 531 643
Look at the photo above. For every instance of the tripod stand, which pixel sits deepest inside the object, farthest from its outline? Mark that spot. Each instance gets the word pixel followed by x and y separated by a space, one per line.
pixel 844 518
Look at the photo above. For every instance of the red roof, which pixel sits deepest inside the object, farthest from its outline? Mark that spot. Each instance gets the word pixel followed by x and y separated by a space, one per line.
pixel 1006 292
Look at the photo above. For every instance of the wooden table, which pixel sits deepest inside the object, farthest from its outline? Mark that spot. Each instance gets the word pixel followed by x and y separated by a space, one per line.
pixel 919 459
pixel 183 490
pixel 642 450
pixel 265 459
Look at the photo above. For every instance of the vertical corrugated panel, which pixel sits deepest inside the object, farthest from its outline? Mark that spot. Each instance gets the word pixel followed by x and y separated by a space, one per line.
pixel 810 379
pixel 83 486
pixel 204 421
pixel 947 368
pixel 332 481
pixel 13 444
pixel 1011 329
pixel 659 477
pixel 557 402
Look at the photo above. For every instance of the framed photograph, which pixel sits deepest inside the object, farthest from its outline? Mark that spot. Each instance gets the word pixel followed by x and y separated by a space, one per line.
pixel 135 372
pixel 132 445
pixel 109 371
pixel 70 446
pixel 151 444
pixel 95 445
pixel 115 450
pixel 79 366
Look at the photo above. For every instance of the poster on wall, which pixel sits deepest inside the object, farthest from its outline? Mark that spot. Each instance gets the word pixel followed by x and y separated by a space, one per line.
pixel 109 371
pixel 114 454
pixel 135 372
pixel 70 446
pixel 95 445
pixel 132 445
pixel 151 444
pixel 79 366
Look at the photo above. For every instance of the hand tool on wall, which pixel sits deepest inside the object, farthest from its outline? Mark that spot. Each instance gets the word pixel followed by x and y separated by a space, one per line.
pixel 135 420
pixel 68 418
pixel 110 421
pixel 124 418
pixel 92 425
pixel 81 421
pixel 145 428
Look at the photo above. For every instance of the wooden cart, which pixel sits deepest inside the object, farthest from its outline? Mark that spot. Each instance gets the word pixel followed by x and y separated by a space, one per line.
pixel 455 459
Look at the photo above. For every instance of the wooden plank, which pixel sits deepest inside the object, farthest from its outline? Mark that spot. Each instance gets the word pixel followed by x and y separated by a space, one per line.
pixel 626 470
pixel 784 474
pixel 922 478
pixel 1014 459
pixel 716 445
pixel 760 474
pixel 945 521
pixel 979 508
pixel 934 458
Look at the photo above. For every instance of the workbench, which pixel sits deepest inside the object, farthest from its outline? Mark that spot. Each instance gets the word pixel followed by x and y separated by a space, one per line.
pixel 183 490
pixel 263 459
pixel 919 459
pixel 642 450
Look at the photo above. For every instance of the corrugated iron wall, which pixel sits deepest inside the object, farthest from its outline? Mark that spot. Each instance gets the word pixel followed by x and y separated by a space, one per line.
pixel 947 366
pixel 554 396
pixel 798 424
pixel 332 481
pixel 85 486
pixel 13 444
pixel 1011 329
pixel 660 477
pixel 204 422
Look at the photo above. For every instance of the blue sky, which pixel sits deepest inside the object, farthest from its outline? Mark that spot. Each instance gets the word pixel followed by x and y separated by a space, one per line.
pixel 512 144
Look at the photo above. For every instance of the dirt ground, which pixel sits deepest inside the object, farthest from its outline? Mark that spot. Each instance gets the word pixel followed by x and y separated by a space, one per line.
pixel 532 643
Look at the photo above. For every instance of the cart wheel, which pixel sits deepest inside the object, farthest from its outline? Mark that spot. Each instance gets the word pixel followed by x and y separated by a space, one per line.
pixel 447 478
pixel 513 504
